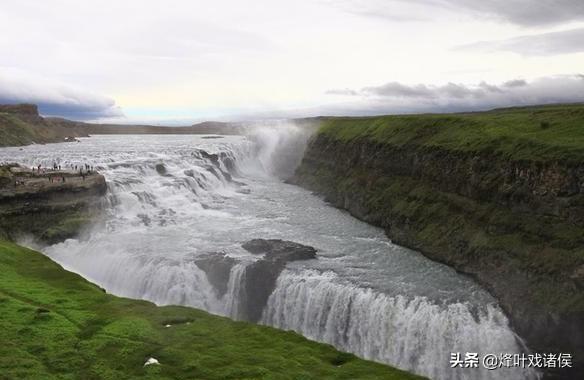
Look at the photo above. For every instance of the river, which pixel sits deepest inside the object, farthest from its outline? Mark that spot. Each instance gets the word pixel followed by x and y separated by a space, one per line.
pixel 170 200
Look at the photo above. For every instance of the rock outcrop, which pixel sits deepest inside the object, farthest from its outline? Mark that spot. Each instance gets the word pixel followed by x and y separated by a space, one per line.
pixel 259 278
pixel 217 266
pixel 50 206
pixel 517 226
pixel 20 109
pixel 21 124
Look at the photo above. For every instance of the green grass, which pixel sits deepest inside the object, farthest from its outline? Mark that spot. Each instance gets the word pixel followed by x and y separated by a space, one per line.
pixel 56 325
pixel 14 131
pixel 528 133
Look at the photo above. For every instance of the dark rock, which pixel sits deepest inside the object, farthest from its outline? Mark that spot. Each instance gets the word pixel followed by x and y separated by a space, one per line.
pixel 49 211
pixel 261 276
pixel 217 266
pixel 227 161
pixel 160 169
pixel 20 109
pixel 213 157
pixel 277 249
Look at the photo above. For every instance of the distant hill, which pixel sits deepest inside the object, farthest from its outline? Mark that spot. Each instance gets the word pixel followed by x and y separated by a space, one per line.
pixel 21 124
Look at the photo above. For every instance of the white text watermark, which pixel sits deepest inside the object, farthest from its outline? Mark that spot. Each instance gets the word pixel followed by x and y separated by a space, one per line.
pixel 495 361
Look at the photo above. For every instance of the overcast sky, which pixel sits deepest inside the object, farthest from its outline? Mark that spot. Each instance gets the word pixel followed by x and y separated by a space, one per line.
pixel 181 61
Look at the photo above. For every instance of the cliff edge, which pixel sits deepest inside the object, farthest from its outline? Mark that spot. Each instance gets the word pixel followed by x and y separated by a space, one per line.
pixel 498 195
pixel 50 205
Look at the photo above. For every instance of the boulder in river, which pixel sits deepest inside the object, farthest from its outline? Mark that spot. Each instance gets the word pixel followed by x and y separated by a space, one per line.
pixel 217 266
pixel 282 250
pixel 160 169
pixel 261 276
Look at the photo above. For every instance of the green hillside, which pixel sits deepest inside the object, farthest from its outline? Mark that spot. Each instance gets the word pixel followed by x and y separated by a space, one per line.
pixel 56 325
pixel 533 133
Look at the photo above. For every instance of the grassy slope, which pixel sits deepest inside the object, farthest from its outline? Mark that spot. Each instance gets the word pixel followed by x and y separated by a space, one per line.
pixel 534 133
pixel 56 325
pixel 14 132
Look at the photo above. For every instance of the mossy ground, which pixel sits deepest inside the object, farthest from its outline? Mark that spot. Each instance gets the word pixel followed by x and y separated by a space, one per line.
pixel 56 325
pixel 527 133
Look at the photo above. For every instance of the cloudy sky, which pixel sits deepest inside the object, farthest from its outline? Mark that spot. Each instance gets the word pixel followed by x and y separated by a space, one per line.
pixel 180 61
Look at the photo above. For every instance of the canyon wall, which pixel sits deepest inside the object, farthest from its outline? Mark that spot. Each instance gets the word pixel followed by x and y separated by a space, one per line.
pixel 511 218
pixel 50 207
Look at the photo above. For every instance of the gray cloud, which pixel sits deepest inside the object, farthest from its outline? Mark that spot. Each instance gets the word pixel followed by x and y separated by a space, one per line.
pixel 520 12
pixel 395 97
pixel 342 91
pixel 515 83
pixel 422 91
pixel 564 42
pixel 55 99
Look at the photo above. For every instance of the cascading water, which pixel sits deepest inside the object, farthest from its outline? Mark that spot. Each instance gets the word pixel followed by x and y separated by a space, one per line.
pixel 233 297
pixel 174 199
pixel 406 332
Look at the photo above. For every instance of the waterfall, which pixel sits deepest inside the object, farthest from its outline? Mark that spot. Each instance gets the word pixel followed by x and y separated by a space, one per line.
pixel 173 199
pixel 410 333
pixel 232 300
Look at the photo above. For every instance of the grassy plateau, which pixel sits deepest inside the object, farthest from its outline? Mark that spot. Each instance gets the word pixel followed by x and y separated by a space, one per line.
pixel 530 133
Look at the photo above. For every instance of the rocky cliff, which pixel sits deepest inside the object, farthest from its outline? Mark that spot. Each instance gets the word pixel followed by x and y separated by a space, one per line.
pixel 499 196
pixel 259 277
pixel 50 206
pixel 21 124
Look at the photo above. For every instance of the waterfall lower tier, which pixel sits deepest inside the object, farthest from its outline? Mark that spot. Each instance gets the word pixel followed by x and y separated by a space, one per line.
pixel 414 334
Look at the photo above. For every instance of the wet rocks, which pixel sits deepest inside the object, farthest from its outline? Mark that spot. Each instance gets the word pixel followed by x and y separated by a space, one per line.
pixel 160 169
pixel 279 250
pixel 261 276
pixel 217 266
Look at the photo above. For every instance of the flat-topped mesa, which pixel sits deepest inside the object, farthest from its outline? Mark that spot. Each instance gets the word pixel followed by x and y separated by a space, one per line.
pixel 50 205
pixel 20 109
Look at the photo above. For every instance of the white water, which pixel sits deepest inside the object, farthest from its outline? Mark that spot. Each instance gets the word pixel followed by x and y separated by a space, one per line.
pixel 231 299
pixel 363 294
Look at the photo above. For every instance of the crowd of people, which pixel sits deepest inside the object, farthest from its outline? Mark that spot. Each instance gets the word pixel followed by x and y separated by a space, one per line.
pixel 57 173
